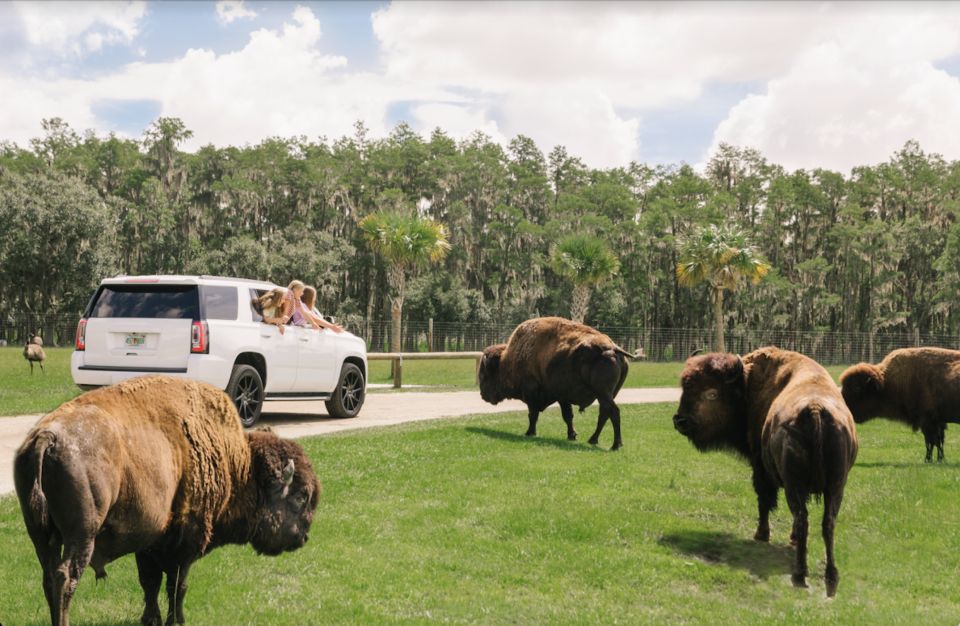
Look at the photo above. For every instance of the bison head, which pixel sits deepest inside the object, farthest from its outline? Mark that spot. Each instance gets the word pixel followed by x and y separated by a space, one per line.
pixel 710 412
pixel 287 494
pixel 488 375
pixel 862 388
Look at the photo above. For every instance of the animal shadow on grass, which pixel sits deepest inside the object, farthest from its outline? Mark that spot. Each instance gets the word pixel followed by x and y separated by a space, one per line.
pixel 945 465
pixel 759 558
pixel 562 444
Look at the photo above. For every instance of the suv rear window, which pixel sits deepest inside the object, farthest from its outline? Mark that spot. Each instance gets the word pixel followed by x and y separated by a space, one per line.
pixel 157 301
pixel 219 303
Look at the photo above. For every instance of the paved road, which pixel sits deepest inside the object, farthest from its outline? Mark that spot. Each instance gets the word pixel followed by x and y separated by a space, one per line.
pixel 303 419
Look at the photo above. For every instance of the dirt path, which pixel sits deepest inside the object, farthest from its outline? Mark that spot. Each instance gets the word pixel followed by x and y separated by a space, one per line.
pixel 301 419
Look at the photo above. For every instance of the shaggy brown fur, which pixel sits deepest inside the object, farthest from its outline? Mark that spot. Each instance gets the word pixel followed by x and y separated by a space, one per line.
pixel 551 359
pixel 160 467
pixel 33 352
pixel 917 386
pixel 782 411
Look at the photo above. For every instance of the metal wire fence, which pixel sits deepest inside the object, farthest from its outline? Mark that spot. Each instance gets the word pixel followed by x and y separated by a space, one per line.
pixel 657 344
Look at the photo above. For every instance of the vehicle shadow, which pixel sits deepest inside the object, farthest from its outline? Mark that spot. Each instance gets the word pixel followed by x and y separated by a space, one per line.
pixel 759 558
pixel 562 444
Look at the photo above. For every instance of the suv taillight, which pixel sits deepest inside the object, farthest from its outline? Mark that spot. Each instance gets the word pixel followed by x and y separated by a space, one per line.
pixel 200 338
pixel 81 338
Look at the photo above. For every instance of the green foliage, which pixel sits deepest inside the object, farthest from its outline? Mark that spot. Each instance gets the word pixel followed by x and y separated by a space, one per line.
pixel 584 260
pixel 467 521
pixel 721 257
pixel 870 251
pixel 405 240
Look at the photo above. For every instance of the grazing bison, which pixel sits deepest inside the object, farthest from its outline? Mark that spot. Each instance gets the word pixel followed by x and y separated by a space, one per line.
pixel 551 359
pixel 918 386
pixel 783 413
pixel 159 467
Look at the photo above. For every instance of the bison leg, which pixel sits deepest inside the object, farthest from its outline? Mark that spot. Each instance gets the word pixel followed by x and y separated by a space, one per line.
pixel 48 547
pixel 940 439
pixel 532 415
pixel 614 412
pixel 66 576
pixel 601 422
pixel 798 506
pixel 151 576
pixel 931 432
pixel 176 591
pixel 831 507
pixel 567 411
pixel 766 492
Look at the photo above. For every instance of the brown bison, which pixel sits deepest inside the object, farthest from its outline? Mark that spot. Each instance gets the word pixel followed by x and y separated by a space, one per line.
pixel 784 414
pixel 159 467
pixel 551 359
pixel 918 386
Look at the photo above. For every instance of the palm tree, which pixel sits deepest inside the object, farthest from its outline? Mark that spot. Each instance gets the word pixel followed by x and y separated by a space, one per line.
pixel 585 261
pixel 723 258
pixel 405 242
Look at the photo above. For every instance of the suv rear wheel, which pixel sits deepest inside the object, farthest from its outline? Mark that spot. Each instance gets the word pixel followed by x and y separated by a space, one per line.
pixel 348 396
pixel 246 390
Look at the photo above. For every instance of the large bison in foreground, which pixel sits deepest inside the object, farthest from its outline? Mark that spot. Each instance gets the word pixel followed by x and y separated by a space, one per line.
pixel 918 386
pixel 159 467
pixel 551 359
pixel 783 413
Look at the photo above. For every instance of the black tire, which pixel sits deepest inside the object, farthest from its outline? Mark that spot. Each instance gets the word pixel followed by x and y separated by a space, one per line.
pixel 246 390
pixel 350 392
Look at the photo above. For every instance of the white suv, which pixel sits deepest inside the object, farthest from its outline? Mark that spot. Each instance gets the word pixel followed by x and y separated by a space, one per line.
pixel 204 328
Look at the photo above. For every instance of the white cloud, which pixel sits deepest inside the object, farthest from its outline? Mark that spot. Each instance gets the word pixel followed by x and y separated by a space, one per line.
pixel 79 26
pixel 839 83
pixel 457 120
pixel 279 84
pixel 856 97
pixel 229 11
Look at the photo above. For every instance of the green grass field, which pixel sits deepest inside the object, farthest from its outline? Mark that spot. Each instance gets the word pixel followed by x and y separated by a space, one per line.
pixel 20 393
pixel 464 521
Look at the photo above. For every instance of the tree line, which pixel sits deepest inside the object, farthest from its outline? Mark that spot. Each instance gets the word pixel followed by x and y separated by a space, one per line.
pixel 874 251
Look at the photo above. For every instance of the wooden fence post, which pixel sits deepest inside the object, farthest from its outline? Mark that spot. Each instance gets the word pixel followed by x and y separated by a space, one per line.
pixel 397 372
pixel 430 335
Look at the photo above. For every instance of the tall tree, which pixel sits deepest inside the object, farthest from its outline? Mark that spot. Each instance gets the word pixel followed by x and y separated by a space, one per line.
pixel 586 262
pixel 722 258
pixel 405 242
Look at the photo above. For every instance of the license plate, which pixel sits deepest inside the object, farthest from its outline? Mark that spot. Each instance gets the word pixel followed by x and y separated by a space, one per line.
pixel 134 339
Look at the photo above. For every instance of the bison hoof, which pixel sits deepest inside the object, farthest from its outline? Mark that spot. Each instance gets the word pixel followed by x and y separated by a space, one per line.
pixel 798 580
pixel 571 436
pixel 593 441
pixel 151 620
pixel 616 446
pixel 530 433
pixel 762 535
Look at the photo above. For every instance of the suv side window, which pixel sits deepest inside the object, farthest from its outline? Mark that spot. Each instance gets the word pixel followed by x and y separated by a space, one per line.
pixel 219 303
pixel 256 293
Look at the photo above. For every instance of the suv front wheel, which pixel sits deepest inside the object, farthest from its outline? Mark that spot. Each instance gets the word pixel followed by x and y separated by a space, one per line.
pixel 246 390
pixel 348 396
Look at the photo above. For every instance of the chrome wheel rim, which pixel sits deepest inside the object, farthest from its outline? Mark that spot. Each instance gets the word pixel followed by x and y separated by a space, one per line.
pixel 351 391
pixel 247 397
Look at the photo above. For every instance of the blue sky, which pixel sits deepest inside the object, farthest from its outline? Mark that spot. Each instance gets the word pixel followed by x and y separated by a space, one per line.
pixel 808 84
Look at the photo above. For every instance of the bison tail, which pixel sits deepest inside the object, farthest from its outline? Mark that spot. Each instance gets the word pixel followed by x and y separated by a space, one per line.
pixel 38 500
pixel 620 350
pixel 816 424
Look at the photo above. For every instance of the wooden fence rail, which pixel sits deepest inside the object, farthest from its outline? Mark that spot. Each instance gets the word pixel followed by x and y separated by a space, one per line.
pixel 399 357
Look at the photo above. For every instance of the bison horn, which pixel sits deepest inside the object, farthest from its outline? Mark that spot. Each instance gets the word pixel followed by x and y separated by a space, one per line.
pixel 287 476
